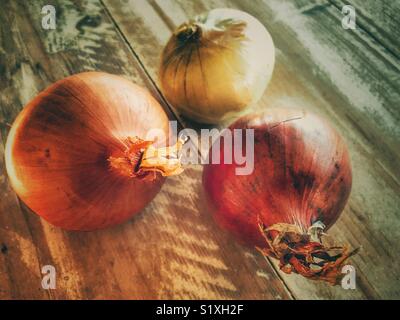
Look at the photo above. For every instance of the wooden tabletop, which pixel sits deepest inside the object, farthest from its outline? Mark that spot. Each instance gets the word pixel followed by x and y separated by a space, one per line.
pixel 173 249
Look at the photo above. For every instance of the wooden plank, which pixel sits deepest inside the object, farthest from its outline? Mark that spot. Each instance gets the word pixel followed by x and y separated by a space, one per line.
pixel 171 250
pixel 379 18
pixel 346 76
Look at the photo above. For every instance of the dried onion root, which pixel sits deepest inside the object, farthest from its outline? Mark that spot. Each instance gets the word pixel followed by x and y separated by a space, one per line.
pixel 309 255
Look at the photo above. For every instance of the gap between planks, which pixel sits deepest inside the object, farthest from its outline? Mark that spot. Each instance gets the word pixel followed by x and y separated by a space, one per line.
pixel 136 56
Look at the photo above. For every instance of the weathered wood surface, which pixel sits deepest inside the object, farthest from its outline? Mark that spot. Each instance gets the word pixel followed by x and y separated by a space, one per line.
pixel 173 249
pixel 380 19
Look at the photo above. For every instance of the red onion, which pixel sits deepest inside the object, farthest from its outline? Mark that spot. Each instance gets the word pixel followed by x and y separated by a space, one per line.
pixel 300 184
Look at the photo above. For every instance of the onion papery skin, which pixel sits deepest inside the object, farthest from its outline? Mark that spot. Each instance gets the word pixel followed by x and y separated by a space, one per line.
pixel 215 67
pixel 302 175
pixel 58 149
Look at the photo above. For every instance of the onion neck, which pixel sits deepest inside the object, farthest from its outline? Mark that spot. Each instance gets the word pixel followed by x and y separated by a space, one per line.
pixel 189 32
pixel 142 160
pixel 312 255
pixel 193 32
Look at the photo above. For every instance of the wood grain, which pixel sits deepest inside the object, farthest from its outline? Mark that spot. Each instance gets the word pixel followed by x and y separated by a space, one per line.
pixel 171 250
pixel 380 19
pixel 348 77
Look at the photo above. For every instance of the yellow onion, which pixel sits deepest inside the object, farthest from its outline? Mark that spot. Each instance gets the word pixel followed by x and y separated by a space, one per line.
pixel 77 154
pixel 216 66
